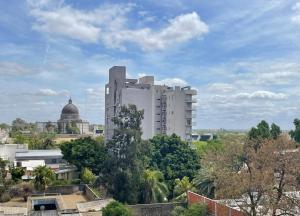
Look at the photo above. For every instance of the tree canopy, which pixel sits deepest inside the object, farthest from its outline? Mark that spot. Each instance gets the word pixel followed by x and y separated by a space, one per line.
pixel 85 153
pixel 174 158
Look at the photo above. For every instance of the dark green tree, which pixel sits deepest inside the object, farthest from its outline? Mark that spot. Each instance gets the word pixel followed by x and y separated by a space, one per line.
pixel 262 132
pixel 17 173
pixel 174 158
pixel 295 134
pixel 85 152
pixel 275 131
pixel 116 209
pixel 124 165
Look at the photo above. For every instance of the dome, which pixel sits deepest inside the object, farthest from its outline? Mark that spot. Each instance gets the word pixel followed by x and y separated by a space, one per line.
pixel 70 112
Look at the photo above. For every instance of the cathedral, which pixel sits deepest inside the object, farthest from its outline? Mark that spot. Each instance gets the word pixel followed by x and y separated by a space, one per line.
pixel 69 122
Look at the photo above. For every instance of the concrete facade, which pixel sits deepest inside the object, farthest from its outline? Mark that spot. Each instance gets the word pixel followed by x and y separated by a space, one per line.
pixel 167 110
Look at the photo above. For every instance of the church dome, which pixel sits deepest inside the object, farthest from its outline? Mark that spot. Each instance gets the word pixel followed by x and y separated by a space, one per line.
pixel 70 112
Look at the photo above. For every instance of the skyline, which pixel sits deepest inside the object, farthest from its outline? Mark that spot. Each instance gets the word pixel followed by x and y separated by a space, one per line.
pixel 243 58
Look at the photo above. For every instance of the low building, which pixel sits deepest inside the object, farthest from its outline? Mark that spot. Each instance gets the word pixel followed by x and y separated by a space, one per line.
pixel 8 151
pixel 31 159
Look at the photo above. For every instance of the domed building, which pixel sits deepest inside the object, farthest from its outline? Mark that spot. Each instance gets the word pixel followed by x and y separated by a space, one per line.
pixel 69 122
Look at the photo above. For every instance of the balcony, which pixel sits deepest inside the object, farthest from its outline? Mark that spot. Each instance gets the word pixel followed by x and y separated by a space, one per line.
pixel 192 100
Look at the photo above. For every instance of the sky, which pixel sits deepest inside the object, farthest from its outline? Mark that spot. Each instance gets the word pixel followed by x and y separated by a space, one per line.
pixel 242 56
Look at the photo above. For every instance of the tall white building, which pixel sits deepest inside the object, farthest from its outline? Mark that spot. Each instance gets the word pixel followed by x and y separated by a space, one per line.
pixel 167 110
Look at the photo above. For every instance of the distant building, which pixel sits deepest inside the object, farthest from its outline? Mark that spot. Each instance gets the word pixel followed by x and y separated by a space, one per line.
pixel 206 137
pixel 167 110
pixel 69 118
pixel 4 135
pixel 8 151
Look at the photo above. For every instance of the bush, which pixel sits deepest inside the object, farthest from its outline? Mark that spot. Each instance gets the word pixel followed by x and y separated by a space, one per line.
pixel 15 191
pixel 197 209
pixel 179 211
pixel 5 197
pixel 76 181
pixel 116 209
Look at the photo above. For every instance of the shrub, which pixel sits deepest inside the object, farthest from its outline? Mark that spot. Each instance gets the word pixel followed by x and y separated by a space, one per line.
pixel 15 191
pixel 76 181
pixel 179 211
pixel 116 209
pixel 5 197
pixel 197 209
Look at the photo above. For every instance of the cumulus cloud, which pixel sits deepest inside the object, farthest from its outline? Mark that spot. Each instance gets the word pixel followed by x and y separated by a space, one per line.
pixel 172 82
pixel 13 68
pixel 109 24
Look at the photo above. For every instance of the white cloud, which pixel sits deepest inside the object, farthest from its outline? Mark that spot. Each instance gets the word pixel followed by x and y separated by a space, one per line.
pixel 51 92
pixel 296 17
pixel 261 95
pixel 172 82
pixel 220 87
pixel 109 24
pixel 13 68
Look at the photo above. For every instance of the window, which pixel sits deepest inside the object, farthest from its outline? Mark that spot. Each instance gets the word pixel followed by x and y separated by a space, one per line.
pixel 107 90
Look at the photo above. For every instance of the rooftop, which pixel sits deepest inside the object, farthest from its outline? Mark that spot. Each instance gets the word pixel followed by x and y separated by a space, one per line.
pixel 40 153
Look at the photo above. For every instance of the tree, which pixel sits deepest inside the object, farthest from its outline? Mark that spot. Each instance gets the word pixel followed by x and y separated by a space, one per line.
pixel 85 153
pixel 275 131
pixel 263 181
pixel 124 165
pixel 87 176
pixel 155 190
pixel 205 182
pixel 72 128
pixel 295 134
pixel 43 176
pixel 263 131
pixel 174 158
pixel 116 209
pixel 17 173
pixel 3 172
pixel 182 187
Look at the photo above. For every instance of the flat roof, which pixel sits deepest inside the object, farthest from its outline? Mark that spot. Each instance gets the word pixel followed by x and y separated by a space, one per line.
pixel 40 153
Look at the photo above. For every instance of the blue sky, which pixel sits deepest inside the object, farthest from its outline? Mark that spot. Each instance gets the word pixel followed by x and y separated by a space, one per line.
pixel 242 56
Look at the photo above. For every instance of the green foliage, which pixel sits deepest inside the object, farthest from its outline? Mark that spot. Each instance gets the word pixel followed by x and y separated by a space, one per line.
pixel 205 182
pixel 72 128
pixel 182 187
pixel 116 209
pixel 154 189
pixel 3 172
pixel 87 176
pixel 17 173
pixel 124 165
pixel 85 152
pixel 263 131
pixel 197 209
pixel 4 126
pixel 43 176
pixel 174 158
pixel 203 147
pixel 35 140
pixel 295 134
pixel 179 211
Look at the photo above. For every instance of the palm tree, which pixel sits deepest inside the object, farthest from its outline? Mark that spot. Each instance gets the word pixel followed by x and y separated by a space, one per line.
pixel 155 190
pixel 205 183
pixel 182 187
pixel 43 177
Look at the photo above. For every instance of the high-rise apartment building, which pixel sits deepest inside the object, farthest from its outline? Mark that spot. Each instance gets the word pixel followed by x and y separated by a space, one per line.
pixel 167 110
